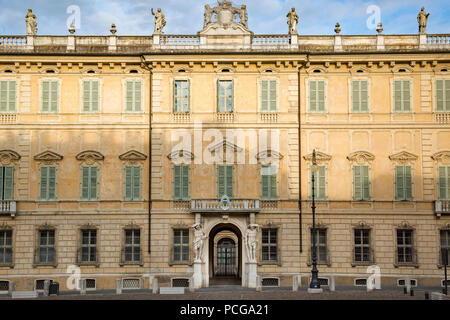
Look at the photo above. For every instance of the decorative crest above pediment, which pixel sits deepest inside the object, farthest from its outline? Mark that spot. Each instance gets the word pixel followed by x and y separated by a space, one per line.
pixel 442 156
pixel 403 157
pixel 8 157
pixel 48 156
pixel 133 155
pixel 320 157
pixel 90 157
pixel 268 156
pixel 222 19
pixel 361 157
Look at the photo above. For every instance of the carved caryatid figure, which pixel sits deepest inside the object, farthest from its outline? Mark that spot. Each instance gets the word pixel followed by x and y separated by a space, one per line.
pixel 243 15
pixel 251 240
pixel 422 18
pixel 160 21
pixel 30 20
pixel 199 237
pixel 292 21
pixel 208 15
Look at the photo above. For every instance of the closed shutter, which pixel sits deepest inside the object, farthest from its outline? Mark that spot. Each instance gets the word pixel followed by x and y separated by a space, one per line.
pixel 273 186
pixel 229 181
pixel 136 183
pixel 399 185
pixel 85 184
pixel 402 94
pixel 357 182
pixel 186 92
pixel 137 96
pixel 444 181
pixel 321 183
pixel 2 182
pixel 9 184
pixel 3 96
pixel 442 95
pixel 177 182
pixel 7 96
pixel 86 96
pixel 12 96
pixel 408 183
pixel 93 183
pixel 44 183
pixel 273 95
pixel 360 96
pixel 51 183
pixel 185 182
pixel 321 96
pixel 264 95
pixel 53 96
pixel 265 183
pixel 398 96
pixel 94 96
pixel 128 183
pixel 364 96
pixel 365 176
pixel 313 96
pixel 220 181
pixel 129 98
pixel 45 96
pixel 220 96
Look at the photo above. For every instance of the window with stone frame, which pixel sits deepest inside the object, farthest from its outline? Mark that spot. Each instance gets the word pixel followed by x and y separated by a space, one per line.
pixel 180 245
pixel 444 182
pixel 269 95
pixel 132 247
pixel 47 183
pixel 225 96
pixel 6 247
pixel 321 246
pixel 50 96
pixel 46 250
pixel 132 183
pixel 269 245
pixel 88 249
pixel 181 89
pixel 269 185
pixel 361 183
pixel 443 95
pixel 6 183
pixel 403 183
pixel 360 96
pixel 8 96
pixel 362 252
pixel 405 247
pixel 317 93
pixel 445 246
pixel 133 96
pixel 181 181
pixel 402 96
pixel 89 183
pixel 91 96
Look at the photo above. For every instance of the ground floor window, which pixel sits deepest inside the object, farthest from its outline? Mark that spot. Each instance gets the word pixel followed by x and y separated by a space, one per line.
pixel 5 247
pixel 269 244
pixel 180 245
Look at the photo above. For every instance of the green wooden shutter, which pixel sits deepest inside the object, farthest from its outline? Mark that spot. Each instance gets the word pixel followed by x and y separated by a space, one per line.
pixel 231 108
pixel 313 96
pixel 443 183
pixel 136 183
pixel 321 183
pixel 442 95
pixel 2 182
pixel 264 95
pixel 128 183
pixel 230 181
pixel 220 92
pixel 86 95
pixel 220 181
pixel 357 182
pixel 366 182
pixel 273 95
pixel 177 182
pixel 185 182
pixel 45 96
pixel 129 98
pixel 397 96
pixel 408 183
pixel 3 96
pixel 85 184
pixel 364 96
pixel 176 100
pixel 11 99
pixel 53 96
pixel 137 96
pixel 187 104
pixel 51 183
pixel 264 183
pixel 9 183
pixel 406 92
pixel 44 183
pixel 447 95
pixel 93 184
pixel 94 96
pixel 399 186
pixel 355 96
pixel 321 96
pixel 273 186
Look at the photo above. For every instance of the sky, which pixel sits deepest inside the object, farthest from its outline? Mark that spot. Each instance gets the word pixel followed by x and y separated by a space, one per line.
pixel 133 17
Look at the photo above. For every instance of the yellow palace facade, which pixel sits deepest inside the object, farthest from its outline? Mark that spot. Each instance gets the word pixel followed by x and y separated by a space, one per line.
pixel 185 160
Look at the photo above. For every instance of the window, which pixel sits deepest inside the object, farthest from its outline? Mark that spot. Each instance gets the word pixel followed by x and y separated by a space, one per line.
pixel 6 249
pixel 362 251
pixel 405 249
pixel 180 245
pixel 46 246
pixel 90 96
pixel 317 96
pixel 50 96
pixel 132 183
pixel 442 95
pixel 445 244
pixel 269 182
pixel 89 183
pixel 444 182
pixel 321 245
pixel 319 183
pixel 402 93
pixel 132 245
pixel 181 96
pixel 360 96
pixel 48 183
pixel 7 96
pixel 268 95
pixel 225 181
pixel 269 245
pixel 225 96
pixel 88 246
pixel 6 183
pixel 361 183
pixel 403 183
pixel 134 96
pixel 181 182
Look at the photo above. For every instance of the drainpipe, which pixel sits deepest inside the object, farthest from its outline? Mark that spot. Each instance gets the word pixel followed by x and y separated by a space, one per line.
pixel 300 156
pixel 147 67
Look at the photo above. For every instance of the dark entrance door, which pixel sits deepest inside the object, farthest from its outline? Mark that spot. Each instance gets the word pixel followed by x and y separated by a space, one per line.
pixel 226 258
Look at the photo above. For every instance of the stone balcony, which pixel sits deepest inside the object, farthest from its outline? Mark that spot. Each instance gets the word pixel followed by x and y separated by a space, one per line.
pixel 8 207
pixel 216 206
pixel 441 207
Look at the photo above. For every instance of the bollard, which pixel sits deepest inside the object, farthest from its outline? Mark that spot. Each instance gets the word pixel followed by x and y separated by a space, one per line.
pixel 294 283
pixel 118 286
pixel 155 285
pixel 46 288
pixel 332 284
pixel 258 284
pixel 427 295
pixel 11 288
pixel 82 283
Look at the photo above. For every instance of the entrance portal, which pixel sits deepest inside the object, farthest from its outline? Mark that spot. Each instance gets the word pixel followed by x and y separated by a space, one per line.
pixel 226 258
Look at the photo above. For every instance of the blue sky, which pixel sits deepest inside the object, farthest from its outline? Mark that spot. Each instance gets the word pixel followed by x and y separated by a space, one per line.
pixel 133 17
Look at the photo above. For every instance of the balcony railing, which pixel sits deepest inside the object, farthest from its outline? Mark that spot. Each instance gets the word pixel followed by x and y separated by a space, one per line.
pixel 8 207
pixel 225 116
pixel 441 207
pixel 443 118
pixel 234 205
pixel 181 116
pixel 6 118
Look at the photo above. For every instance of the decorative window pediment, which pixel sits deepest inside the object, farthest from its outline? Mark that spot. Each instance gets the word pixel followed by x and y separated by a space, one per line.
pixel 361 157
pixel 8 157
pixel 442 157
pixel 268 156
pixel 90 157
pixel 133 155
pixel 321 158
pixel 225 145
pixel 48 157
pixel 403 157
pixel 180 156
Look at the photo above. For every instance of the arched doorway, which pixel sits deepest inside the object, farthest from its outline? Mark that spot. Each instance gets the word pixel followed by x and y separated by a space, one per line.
pixel 225 255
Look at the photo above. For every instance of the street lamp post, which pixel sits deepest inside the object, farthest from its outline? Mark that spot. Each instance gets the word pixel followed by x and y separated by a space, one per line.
pixel 314 285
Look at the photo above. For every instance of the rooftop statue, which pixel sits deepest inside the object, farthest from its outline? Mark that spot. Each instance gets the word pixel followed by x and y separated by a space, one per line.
pixel 243 15
pixel 208 15
pixel 30 20
pixel 160 21
pixel 292 21
pixel 422 18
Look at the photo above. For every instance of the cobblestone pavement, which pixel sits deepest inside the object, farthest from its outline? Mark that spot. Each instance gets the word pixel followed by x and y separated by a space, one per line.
pixel 250 295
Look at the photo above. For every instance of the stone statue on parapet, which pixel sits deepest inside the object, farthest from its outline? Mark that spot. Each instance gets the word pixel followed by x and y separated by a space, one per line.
pixel 30 20
pixel 292 21
pixel 243 15
pixel 422 18
pixel 160 21
pixel 208 15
